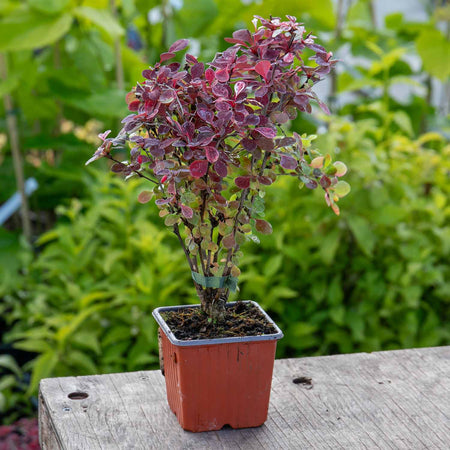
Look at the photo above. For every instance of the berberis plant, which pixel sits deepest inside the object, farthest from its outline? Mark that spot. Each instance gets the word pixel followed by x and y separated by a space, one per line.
pixel 211 138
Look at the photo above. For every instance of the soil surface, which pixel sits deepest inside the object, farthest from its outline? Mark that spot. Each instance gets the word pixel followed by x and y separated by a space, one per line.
pixel 241 319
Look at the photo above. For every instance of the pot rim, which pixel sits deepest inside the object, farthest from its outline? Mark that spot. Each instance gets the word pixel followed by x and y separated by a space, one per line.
pixel 227 340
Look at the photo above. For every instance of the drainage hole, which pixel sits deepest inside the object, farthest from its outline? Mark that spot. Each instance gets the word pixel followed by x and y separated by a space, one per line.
pixel 78 395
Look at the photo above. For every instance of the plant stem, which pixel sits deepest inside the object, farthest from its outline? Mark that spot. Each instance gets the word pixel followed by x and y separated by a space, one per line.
pixel 13 132
pixel 117 51
pixel 135 171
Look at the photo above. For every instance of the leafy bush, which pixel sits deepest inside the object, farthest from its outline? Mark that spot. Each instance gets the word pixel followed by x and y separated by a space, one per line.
pixel 84 304
pixel 378 278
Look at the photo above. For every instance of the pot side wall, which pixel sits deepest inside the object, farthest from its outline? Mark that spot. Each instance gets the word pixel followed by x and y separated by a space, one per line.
pixel 209 386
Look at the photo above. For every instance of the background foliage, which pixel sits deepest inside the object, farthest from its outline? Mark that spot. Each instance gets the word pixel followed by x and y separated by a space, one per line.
pixel 78 299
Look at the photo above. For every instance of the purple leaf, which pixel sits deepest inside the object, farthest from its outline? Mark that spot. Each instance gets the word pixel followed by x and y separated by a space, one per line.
pixel 266 132
pixel 220 90
pixel 198 168
pixel 179 45
pixel 187 212
pixel 162 201
pixel 288 162
pixel 167 96
pixel 324 107
pixel 212 154
pixel 221 168
pixel 197 70
pixel 104 135
pixel 166 56
pixel 205 114
pixel 242 182
pixel 118 167
pixel 222 75
pixel 325 182
pixel 248 144
pixel 251 119
pixel 243 35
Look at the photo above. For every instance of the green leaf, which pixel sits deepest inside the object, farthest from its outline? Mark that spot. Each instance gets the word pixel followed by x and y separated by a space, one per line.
pixel 204 12
pixel 364 235
pixel 7 382
pixel 80 360
pixel 171 220
pixel 272 265
pixel 8 85
pixel 87 339
pixel 342 188
pixel 34 345
pixel 27 30
pixel 404 122
pixel 9 362
pixel 329 246
pixel 42 368
pixel 48 6
pixel 434 49
pixel 302 329
pixel 106 103
pixel 101 18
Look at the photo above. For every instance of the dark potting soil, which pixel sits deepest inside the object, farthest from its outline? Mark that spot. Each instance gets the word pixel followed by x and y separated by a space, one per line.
pixel 241 319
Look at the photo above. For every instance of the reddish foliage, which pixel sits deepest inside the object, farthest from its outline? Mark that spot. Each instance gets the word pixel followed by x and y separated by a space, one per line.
pixel 212 139
pixel 21 435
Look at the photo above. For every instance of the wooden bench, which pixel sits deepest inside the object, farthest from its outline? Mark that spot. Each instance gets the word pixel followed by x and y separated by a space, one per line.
pixel 383 400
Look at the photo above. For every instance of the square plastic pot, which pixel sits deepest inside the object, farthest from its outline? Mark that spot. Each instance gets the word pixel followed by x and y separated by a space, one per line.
pixel 215 382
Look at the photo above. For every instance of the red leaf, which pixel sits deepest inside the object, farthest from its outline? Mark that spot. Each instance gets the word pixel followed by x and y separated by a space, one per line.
pixel 134 105
pixel 242 182
pixel 288 162
pixel 179 45
pixel 222 75
pixel 221 168
pixel 263 68
pixel 266 132
pixel 325 182
pixel 212 154
pixel 265 180
pixel 187 212
pixel 166 56
pixel 263 226
pixel 209 75
pixel 198 168
pixel 235 41
pixel 220 199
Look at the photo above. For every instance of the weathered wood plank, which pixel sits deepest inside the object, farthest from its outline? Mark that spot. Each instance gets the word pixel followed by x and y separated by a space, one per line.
pixel 383 400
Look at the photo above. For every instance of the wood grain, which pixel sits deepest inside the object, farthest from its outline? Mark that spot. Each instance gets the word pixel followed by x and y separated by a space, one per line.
pixel 383 400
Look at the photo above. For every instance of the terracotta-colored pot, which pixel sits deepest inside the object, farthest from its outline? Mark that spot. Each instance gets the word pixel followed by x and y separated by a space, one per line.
pixel 215 382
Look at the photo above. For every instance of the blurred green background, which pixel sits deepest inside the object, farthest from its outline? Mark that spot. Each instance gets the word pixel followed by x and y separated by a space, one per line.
pixel 76 298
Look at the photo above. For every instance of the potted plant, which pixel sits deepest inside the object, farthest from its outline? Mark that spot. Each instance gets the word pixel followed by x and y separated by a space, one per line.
pixel 210 139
